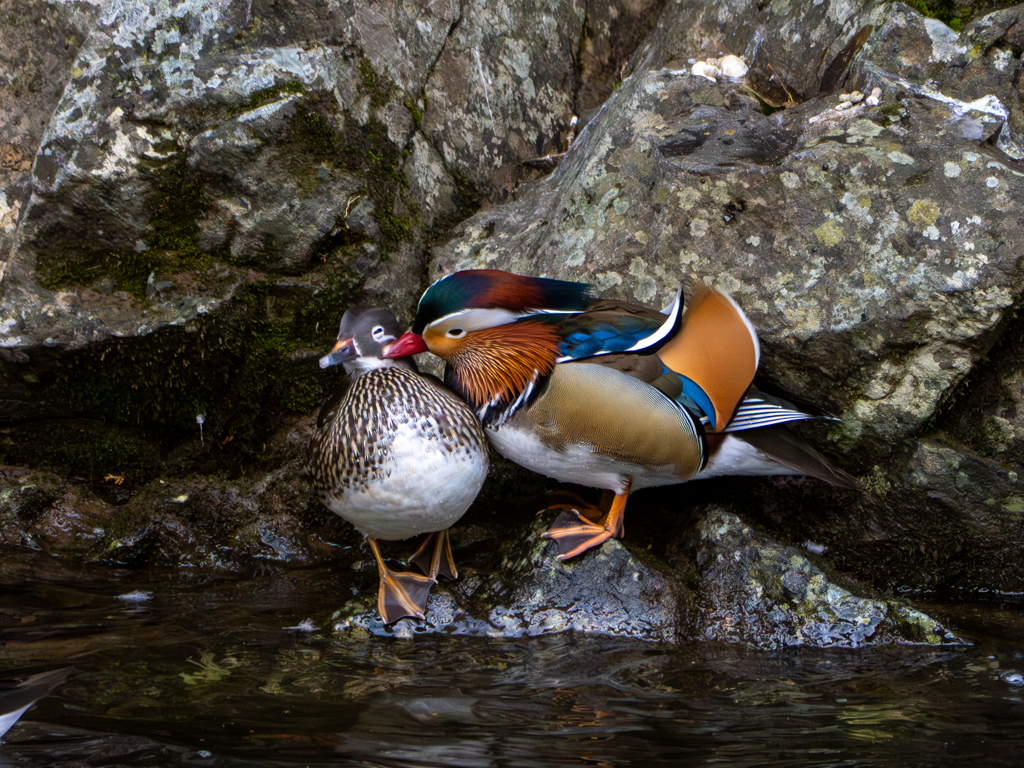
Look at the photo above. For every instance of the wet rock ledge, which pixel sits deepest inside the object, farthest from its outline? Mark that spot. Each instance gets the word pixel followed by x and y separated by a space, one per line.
pixel 745 588
pixel 702 574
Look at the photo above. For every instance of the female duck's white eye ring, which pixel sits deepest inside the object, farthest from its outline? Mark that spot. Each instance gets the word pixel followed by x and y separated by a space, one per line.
pixel 378 333
pixel 455 333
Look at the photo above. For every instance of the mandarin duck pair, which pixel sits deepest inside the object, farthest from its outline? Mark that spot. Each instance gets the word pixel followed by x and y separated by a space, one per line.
pixel 600 393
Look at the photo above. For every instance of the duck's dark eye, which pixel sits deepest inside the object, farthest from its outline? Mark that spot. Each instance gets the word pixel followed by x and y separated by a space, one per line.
pixel 456 333
pixel 378 333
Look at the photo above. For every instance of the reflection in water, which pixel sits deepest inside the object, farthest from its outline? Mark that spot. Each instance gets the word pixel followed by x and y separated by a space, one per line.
pixel 197 672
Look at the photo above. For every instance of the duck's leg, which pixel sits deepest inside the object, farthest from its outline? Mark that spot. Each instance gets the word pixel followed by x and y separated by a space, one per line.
pixel 574 536
pixel 577 507
pixel 434 556
pixel 401 594
pixel 563 499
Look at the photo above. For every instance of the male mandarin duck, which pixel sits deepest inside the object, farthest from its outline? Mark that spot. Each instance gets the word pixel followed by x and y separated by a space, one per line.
pixel 608 394
pixel 397 455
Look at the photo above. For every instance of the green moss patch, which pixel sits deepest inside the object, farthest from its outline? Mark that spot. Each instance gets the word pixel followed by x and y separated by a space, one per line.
pixel 956 15
pixel 88 448
pixel 176 204
pixel 270 95
pixel 379 88
pixel 417 116
pixel 368 151
pixel 242 368
pixel 129 270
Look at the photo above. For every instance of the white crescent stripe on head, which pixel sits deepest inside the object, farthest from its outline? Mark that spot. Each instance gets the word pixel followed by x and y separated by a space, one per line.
pixel 479 319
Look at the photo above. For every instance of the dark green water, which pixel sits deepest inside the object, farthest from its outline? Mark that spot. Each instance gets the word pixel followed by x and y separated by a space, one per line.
pixel 205 673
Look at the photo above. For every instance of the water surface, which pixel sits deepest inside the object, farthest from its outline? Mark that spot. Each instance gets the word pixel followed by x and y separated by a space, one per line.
pixel 189 670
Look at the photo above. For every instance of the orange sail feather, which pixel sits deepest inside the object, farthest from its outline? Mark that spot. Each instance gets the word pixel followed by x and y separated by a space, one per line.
pixel 716 348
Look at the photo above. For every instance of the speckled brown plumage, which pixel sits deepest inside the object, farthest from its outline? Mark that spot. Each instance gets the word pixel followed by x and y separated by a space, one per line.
pixel 353 447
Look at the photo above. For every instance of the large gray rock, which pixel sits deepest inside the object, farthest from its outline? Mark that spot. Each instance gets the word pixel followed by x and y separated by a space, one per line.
pixel 196 142
pixel 870 246
pixel 502 90
pixel 757 591
pixel 528 592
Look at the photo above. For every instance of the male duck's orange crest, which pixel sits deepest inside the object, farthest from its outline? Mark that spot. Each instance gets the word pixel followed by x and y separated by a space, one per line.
pixel 496 365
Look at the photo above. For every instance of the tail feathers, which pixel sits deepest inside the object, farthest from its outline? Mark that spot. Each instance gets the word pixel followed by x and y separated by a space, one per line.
pixel 789 449
pixel 716 348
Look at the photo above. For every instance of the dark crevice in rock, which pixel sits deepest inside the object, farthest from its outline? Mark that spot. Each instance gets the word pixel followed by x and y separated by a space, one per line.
pixel 469 196
pixel 966 413
pixel 728 144
pixel 447 38
pixel 578 65
pixel 835 73
pixel 467 190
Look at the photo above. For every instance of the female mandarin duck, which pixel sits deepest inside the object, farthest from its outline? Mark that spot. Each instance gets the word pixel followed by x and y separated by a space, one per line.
pixel 396 455
pixel 607 394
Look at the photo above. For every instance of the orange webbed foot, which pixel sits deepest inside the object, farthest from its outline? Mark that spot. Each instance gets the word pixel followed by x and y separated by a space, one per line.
pixel 401 593
pixel 574 533
pixel 434 556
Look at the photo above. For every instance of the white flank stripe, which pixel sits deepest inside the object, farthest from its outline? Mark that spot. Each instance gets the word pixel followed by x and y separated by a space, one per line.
pixel 665 328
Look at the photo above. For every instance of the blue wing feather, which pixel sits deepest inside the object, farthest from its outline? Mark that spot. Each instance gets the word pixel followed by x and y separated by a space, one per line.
pixel 584 336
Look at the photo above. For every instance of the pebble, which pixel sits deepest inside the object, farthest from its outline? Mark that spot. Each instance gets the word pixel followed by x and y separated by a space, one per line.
pixel 1013 677
pixel 729 65
pixel 704 69
pixel 733 66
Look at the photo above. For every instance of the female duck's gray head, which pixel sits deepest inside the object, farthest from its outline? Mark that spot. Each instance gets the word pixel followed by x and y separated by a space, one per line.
pixel 363 338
